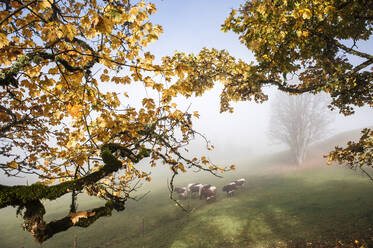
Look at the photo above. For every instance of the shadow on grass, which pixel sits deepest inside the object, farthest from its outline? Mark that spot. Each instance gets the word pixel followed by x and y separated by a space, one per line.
pixel 272 212
pixel 309 210
pixel 299 214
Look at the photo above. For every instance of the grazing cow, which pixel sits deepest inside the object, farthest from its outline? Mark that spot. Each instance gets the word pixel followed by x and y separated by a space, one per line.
pixel 203 189
pixel 194 188
pixel 208 192
pixel 240 182
pixel 182 192
pixel 230 188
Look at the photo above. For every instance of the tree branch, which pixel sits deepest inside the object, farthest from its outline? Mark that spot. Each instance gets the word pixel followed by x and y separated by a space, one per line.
pixel 297 89
pixel 34 219
pixel 352 51
pixel 362 65
pixel 366 173
pixel 20 195
pixel 16 11
pixel 7 76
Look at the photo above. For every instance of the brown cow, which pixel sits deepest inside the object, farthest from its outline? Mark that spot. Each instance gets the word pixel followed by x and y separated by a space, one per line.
pixel 193 189
pixel 208 192
pixel 230 188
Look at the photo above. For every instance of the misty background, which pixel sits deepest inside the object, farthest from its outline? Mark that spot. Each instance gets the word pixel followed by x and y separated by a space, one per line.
pixel 242 136
pixel 239 137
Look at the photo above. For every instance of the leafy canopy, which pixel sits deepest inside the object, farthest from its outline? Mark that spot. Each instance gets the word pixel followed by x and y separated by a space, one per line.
pixel 300 46
pixel 64 112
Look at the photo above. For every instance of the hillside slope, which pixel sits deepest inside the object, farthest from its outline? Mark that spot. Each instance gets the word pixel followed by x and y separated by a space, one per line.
pixel 315 153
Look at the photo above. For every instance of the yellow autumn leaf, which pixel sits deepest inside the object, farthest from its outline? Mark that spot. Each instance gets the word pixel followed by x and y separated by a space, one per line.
pixel 13 165
pixel 104 78
pixel 179 70
pixel 85 21
pixel 307 14
pixel 148 103
pixel 305 33
pixel 148 81
pixel 3 40
pixel 69 31
pixel 181 167
pixel 329 9
pixel 34 71
pixel 151 8
pixel 59 86
pixel 44 4
pixel 141 4
pixel 74 110
pixel 133 13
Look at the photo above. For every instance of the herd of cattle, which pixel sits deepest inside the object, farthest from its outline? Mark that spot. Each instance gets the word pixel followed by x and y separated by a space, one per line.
pixel 207 191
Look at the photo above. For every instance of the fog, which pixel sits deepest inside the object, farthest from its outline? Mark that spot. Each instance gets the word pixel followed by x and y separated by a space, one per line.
pixel 191 25
pixel 239 137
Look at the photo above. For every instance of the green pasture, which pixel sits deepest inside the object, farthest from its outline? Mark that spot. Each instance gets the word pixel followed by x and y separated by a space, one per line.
pixel 319 207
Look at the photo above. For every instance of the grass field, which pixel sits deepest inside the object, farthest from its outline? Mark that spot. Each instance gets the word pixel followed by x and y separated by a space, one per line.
pixel 315 207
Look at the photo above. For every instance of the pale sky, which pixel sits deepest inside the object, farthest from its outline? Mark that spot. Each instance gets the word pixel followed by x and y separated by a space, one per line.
pixel 193 24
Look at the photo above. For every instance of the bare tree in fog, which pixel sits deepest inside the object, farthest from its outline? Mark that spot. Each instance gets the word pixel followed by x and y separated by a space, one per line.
pixel 299 120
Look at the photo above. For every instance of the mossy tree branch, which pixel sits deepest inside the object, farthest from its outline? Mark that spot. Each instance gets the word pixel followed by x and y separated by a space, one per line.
pixel 21 195
pixel 8 75
pixel 42 231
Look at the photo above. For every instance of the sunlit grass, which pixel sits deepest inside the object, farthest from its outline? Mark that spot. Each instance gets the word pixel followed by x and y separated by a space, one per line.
pixel 316 207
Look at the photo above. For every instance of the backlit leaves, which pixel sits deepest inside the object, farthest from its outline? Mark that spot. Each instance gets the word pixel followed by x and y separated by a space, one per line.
pixel 305 39
pixel 306 13
pixel 13 165
pixel 299 46
pixel 356 154
pixel 64 68
pixel 74 111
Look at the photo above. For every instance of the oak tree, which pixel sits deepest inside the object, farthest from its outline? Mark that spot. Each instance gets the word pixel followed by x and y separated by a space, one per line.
pixel 63 68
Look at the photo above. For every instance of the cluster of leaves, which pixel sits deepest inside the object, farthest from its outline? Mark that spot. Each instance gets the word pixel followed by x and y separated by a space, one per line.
pixel 356 154
pixel 290 39
pixel 198 73
pixel 306 39
pixel 303 39
pixel 62 77
pixel 300 46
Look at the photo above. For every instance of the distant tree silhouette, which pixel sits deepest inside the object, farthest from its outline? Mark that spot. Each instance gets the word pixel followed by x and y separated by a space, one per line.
pixel 298 121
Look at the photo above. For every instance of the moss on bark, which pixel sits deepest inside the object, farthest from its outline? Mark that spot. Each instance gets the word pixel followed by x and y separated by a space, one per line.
pixel 21 195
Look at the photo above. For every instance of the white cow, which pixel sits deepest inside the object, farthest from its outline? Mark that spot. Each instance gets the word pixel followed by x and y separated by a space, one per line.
pixel 240 182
